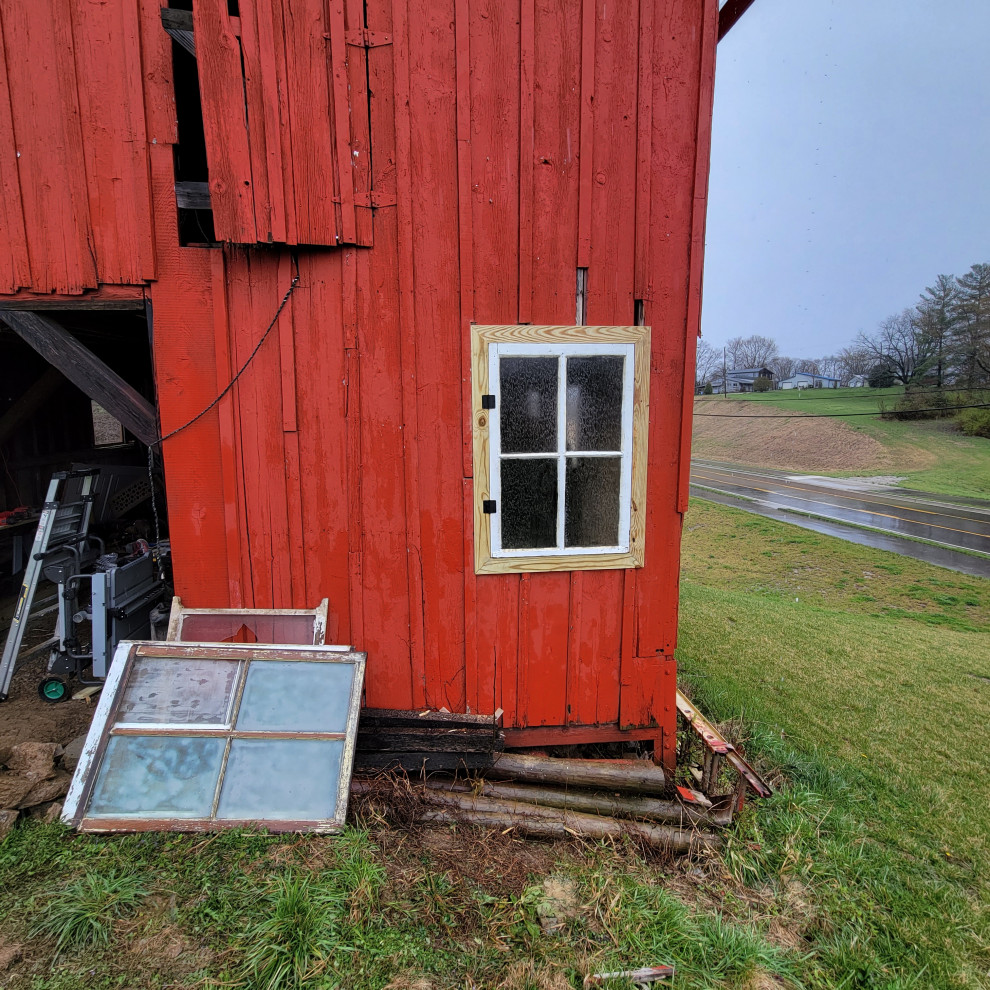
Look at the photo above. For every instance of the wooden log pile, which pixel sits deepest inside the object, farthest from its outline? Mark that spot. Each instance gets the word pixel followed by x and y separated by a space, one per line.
pixel 545 797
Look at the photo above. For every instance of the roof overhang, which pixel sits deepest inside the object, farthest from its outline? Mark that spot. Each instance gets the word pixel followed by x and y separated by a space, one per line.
pixel 729 13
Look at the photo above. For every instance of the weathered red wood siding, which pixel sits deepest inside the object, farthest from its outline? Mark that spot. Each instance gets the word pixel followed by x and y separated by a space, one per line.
pixel 512 141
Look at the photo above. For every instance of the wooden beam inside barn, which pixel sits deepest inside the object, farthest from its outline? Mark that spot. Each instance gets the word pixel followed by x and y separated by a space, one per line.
pixel 84 369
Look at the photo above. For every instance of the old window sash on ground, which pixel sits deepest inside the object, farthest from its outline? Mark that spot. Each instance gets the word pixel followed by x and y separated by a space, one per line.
pixel 560 442
pixel 298 626
pixel 195 737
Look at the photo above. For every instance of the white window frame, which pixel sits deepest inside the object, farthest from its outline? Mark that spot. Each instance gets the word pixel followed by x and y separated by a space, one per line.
pixel 562 351
pixel 489 345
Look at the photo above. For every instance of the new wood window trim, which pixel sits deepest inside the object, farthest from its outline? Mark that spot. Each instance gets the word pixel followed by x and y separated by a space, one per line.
pixel 557 339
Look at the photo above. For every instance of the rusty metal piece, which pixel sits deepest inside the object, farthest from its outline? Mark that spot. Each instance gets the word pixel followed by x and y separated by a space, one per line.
pixel 718 745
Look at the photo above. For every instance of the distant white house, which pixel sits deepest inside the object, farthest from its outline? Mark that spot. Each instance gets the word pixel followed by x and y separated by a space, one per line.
pixel 805 379
pixel 858 381
pixel 743 380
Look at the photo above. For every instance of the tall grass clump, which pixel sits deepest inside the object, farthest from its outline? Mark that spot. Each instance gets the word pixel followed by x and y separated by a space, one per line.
pixel 294 939
pixel 82 912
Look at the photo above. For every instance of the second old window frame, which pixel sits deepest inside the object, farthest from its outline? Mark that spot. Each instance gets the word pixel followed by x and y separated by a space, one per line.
pixel 492 343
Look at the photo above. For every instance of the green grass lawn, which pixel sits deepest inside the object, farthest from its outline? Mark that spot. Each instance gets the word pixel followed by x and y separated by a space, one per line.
pixel 861 683
pixel 932 455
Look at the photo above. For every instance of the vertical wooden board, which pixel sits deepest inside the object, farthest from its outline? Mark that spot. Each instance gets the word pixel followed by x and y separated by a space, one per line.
pixel 45 115
pixel 309 100
pixel 644 145
pixel 265 376
pixel 527 157
pixel 699 208
pixel 221 85
pixel 544 635
pixel 421 678
pixel 187 381
pixel 675 112
pixel 322 437
pixel 439 417
pixel 387 605
pixel 258 60
pixel 341 133
pixel 488 42
pixel 360 132
pixel 596 620
pixel 156 73
pixel 14 269
pixel 108 70
pixel 586 153
pixel 228 444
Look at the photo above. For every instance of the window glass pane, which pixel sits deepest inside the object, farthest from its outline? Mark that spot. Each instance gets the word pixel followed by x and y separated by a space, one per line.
pixel 243 628
pixel 295 696
pixel 591 501
pixel 158 777
pixel 178 691
pixel 594 403
pixel 281 779
pixel 528 404
pixel 528 504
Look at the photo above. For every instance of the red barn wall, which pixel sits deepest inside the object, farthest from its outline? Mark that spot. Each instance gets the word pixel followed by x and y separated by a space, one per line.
pixel 511 143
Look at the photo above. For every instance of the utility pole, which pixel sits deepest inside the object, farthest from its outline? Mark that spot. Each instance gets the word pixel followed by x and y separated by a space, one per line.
pixel 725 383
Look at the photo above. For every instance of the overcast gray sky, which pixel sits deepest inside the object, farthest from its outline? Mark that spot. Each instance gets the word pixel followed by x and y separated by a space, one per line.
pixel 850 165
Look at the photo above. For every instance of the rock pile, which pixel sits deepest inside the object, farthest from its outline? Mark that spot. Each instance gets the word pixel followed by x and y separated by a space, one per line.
pixel 34 777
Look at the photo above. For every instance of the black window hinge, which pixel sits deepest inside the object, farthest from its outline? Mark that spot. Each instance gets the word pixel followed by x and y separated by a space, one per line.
pixel 488 506
pixel 488 402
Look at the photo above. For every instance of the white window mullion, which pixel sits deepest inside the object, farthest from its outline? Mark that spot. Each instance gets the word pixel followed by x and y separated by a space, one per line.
pixel 561 445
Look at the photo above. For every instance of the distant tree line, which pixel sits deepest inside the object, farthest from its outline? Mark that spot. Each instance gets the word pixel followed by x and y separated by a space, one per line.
pixel 943 340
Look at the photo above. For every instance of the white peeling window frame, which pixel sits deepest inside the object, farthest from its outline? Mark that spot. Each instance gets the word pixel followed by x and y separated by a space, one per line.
pixel 490 344
pixel 107 725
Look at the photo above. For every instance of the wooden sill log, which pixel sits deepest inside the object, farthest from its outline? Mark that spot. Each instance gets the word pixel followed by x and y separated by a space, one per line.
pixel 532 820
pixel 596 803
pixel 607 775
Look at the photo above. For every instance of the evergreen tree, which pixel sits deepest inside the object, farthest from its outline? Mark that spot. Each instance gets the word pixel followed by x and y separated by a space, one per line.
pixel 936 320
pixel 972 325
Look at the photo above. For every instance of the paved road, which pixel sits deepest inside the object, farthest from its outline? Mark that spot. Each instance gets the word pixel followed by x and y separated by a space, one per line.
pixel 951 523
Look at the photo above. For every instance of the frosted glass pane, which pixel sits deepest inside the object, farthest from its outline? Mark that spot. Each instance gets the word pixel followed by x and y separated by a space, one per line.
pixel 594 403
pixel 591 501
pixel 239 627
pixel 528 404
pixel 178 691
pixel 157 777
pixel 528 503
pixel 281 779
pixel 295 696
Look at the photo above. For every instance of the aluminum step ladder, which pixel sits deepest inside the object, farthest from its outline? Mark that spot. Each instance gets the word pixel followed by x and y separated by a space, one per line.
pixel 63 527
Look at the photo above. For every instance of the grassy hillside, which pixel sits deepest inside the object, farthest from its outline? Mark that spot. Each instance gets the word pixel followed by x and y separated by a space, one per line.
pixel 931 455
pixel 861 683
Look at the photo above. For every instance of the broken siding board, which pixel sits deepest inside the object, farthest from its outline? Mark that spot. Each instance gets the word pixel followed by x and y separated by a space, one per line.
pixel 45 115
pixel 228 153
pixel 107 64
pixel 263 122
pixel 309 102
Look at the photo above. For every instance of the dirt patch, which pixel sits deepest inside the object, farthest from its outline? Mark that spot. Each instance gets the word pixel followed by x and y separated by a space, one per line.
pixel 24 716
pixel 799 443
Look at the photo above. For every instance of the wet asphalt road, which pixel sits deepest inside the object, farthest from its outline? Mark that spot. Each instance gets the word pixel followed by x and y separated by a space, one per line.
pixel 842 505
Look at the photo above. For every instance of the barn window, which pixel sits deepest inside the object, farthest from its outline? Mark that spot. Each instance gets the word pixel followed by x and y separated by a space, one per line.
pixel 560 447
